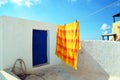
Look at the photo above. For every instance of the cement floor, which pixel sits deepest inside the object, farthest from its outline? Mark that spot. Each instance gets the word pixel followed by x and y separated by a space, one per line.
pixel 62 72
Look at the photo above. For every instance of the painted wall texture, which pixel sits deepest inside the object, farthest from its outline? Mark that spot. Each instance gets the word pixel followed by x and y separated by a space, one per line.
pixel 6 76
pixel 1 42
pixel 17 40
pixel 101 56
pixel 116 29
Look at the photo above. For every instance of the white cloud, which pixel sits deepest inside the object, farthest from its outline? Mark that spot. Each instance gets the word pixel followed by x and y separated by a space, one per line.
pixel 105 32
pixel 105 27
pixel 18 2
pixel 2 2
pixel 27 3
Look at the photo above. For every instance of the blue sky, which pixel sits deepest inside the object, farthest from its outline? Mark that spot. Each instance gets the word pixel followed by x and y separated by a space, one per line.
pixel 95 16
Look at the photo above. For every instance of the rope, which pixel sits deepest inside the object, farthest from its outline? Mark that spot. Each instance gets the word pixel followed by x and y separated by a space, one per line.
pixel 101 9
pixel 22 67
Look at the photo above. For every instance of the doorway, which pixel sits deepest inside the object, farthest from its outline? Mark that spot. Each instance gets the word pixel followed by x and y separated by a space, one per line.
pixel 39 46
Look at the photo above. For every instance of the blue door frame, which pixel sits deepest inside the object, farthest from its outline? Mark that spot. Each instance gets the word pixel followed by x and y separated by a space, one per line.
pixel 39 47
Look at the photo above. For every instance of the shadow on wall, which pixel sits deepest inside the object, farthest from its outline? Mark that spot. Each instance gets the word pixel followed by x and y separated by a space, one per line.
pixel 90 68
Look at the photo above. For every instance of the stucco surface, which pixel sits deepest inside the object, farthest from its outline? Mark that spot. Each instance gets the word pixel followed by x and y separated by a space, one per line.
pixel 17 37
pixel 106 54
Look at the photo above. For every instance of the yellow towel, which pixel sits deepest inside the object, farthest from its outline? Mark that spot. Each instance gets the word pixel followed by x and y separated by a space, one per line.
pixel 68 43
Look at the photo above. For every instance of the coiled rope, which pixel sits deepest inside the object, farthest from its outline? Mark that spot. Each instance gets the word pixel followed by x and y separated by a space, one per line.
pixel 21 69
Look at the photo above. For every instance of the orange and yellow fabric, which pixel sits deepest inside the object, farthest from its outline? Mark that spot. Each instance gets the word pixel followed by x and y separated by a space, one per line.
pixel 68 43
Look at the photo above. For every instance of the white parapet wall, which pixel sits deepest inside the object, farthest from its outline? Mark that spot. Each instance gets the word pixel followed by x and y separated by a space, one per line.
pixel 7 76
pixel 1 42
pixel 101 56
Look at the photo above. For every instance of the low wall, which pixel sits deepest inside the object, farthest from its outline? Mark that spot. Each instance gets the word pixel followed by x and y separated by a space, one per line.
pixel 101 56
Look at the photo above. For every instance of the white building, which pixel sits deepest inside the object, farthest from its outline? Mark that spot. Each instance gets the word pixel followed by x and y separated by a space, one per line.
pixel 100 58
pixel 16 41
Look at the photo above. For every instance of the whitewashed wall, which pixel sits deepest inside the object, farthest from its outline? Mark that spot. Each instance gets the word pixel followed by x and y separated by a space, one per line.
pixel 101 56
pixel 1 45
pixel 16 42
pixel 17 37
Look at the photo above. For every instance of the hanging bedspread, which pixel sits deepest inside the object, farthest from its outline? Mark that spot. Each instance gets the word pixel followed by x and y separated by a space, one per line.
pixel 68 43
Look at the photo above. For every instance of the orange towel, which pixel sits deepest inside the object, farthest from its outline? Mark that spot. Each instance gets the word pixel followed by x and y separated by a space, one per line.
pixel 68 43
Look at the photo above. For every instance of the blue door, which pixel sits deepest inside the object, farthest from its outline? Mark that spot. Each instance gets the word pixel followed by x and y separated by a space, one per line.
pixel 39 47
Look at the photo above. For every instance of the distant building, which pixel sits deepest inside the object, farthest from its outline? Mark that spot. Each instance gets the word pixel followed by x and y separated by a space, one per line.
pixel 116 26
pixel 115 29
